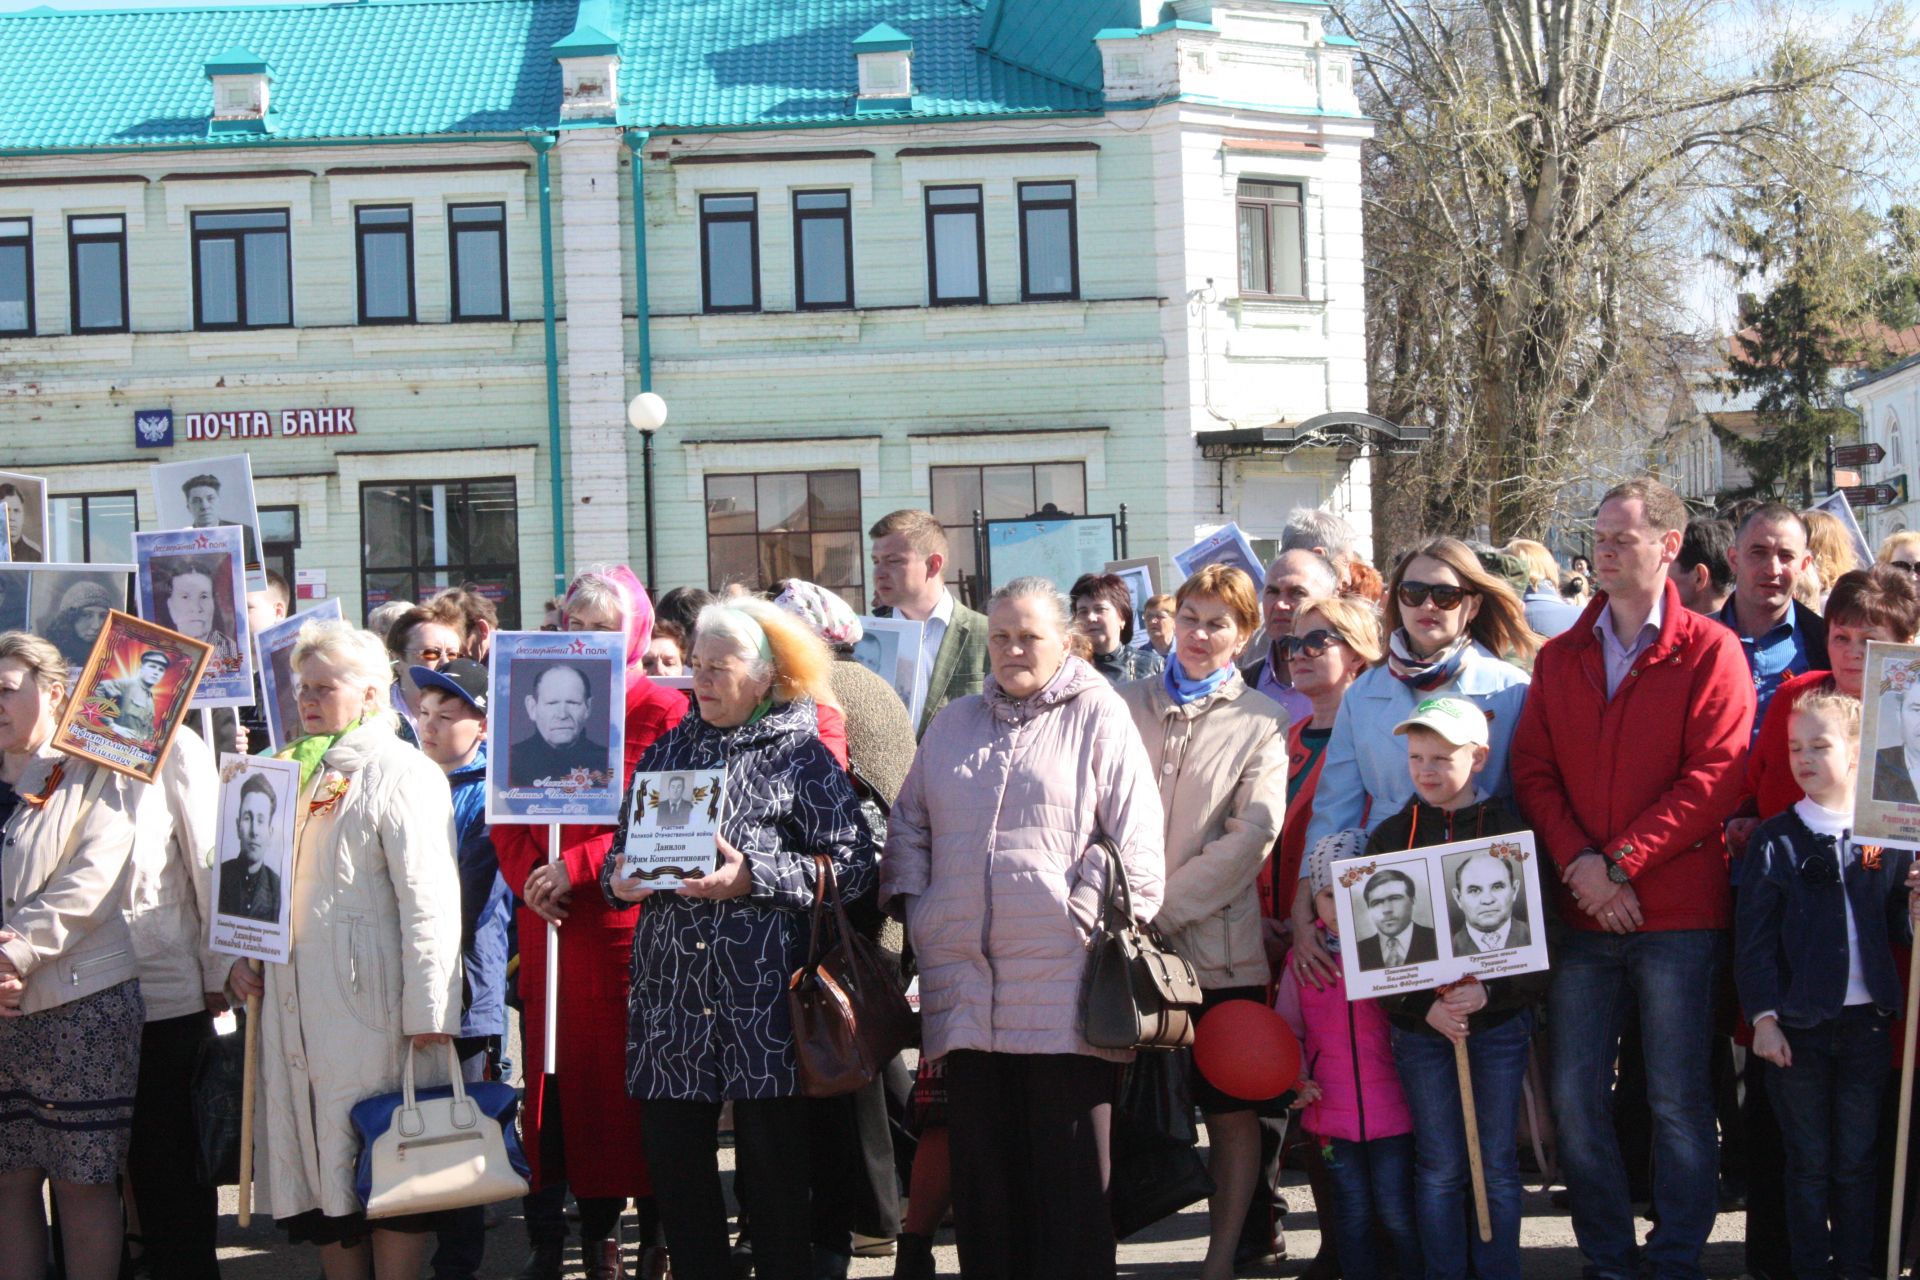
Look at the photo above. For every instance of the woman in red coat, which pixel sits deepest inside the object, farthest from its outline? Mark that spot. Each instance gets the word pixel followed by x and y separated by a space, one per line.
pixel 580 1128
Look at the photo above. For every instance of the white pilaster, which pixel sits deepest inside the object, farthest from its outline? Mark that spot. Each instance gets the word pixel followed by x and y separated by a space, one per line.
pixel 593 267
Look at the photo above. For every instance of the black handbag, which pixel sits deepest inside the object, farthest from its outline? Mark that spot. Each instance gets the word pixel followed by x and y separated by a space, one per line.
pixel 1140 993
pixel 214 1098
pixel 1157 1169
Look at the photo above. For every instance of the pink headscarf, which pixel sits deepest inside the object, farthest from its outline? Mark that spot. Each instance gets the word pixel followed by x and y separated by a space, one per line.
pixel 636 608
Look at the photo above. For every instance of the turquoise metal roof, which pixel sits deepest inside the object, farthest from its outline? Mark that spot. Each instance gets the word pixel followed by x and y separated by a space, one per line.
pixel 742 63
pixel 883 39
pixel 137 77
pixel 407 68
pixel 1062 46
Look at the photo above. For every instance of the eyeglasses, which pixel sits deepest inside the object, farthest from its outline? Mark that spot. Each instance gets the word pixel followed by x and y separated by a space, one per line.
pixel 1314 644
pixel 1444 594
pixel 1905 566
pixel 431 654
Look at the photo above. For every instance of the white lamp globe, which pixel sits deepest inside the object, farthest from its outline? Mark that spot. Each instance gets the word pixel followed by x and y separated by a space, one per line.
pixel 647 413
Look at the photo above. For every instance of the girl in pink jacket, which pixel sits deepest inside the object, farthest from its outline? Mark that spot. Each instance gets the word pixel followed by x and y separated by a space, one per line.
pixel 1352 1098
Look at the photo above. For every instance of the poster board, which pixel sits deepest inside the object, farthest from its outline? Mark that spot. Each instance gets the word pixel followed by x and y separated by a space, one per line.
pixel 673 819
pixel 66 604
pixel 132 696
pixel 1448 910
pixel 1058 548
pixel 556 738
pixel 206 493
pixel 1142 577
pixel 1835 504
pixel 273 659
pixel 1225 545
pixel 890 648
pixel 1886 798
pixel 193 581
pixel 23 508
pixel 253 858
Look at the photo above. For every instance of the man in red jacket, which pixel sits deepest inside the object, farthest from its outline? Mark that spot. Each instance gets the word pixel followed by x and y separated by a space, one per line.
pixel 1627 758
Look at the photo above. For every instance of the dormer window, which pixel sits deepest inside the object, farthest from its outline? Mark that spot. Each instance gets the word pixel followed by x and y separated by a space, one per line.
pixel 885 56
pixel 589 62
pixel 242 87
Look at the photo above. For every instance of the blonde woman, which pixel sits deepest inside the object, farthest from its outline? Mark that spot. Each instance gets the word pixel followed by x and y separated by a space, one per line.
pixel 1447 622
pixel 1902 550
pixel 375 967
pixel 70 1006
pixel 707 1013
pixel 1548 612
pixel 1833 555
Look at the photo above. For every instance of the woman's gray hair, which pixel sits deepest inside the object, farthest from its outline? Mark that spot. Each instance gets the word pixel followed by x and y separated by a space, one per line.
pixel 1035 588
pixel 360 655
pixel 740 629
pixel 595 591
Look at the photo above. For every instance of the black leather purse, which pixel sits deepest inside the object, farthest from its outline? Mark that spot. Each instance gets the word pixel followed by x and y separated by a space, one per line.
pixel 1140 994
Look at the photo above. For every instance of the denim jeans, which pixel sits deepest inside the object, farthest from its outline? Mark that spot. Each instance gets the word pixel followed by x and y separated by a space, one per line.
pixel 1828 1104
pixel 1670 974
pixel 1373 1181
pixel 1443 1181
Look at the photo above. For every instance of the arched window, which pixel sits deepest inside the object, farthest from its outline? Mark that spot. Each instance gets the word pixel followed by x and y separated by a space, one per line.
pixel 1896 439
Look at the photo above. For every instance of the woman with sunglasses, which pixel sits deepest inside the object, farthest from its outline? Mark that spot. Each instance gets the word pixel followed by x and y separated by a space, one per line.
pixel 1901 550
pixel 1448 621
pixel 1334 643
pixel 1216 747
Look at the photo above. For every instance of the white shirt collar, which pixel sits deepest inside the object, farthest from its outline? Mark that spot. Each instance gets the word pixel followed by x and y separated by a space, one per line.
pixel 943 611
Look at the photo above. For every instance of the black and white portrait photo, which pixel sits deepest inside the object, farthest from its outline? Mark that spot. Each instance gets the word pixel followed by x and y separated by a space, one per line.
pixel 676 802
pixel 69 604
pixel 553 721
pixel 205 493
pixel 249 883
pixel 23 503
pixel 253 886
pixel 1398 919
pixel 1485 903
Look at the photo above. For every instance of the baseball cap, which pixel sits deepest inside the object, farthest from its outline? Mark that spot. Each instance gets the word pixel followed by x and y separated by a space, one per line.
pixel 463 677
pixel 1455 719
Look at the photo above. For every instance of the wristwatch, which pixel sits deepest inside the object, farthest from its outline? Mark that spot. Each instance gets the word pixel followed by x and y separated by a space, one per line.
pixel 1616 872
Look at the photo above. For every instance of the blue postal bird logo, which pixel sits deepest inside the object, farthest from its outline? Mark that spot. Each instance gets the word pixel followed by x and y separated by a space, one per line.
pixel 153 429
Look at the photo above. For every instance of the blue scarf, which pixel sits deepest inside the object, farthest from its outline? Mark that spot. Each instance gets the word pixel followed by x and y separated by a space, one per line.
pixel 1183 689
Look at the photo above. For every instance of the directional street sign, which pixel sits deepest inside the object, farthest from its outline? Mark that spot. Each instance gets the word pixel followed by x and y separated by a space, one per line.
pixel 1870 495
pixel 1858 455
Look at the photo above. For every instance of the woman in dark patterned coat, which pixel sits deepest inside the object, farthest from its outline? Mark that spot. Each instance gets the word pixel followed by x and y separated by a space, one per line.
pixel 707 1013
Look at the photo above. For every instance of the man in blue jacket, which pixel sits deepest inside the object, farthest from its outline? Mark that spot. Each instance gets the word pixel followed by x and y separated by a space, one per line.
pixel 453 729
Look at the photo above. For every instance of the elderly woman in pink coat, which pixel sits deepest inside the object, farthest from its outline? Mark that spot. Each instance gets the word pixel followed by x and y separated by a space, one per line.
pixel 991 859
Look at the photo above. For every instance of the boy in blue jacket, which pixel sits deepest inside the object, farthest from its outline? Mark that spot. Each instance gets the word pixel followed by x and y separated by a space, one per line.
pixel 1816 920
pixel 452 725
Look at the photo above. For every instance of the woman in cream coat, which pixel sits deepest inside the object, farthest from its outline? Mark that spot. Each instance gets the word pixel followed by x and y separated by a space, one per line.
pixel 1219 751
pixel 376 952
pixel 70 1008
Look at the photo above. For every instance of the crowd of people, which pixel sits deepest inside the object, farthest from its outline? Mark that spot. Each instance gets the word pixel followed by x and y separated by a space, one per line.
pixel 1715 1025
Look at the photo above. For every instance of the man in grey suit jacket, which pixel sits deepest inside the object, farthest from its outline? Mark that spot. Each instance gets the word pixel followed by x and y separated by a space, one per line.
pixel 1486 889
pixel 909 566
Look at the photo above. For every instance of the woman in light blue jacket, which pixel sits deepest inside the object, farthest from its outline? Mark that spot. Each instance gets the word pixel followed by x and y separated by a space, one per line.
pixel 1450 624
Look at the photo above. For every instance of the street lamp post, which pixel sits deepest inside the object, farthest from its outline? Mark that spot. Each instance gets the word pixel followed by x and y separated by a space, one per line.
pixel 647 414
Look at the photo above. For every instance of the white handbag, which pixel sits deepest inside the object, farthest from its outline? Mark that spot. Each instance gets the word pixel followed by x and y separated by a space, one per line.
pixel 448 1150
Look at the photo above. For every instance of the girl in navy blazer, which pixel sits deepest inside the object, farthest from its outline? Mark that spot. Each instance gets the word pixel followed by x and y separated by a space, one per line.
pixel 1816 920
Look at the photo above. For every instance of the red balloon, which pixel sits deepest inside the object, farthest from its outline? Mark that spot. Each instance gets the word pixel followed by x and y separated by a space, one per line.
pixel 1246 1050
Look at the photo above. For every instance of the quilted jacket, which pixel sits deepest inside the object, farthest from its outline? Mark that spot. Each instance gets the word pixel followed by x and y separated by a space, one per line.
pixel 991 859
pixel 707 1010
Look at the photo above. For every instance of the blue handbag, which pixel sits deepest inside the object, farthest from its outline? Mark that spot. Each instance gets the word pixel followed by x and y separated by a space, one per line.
pixel 448 1147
